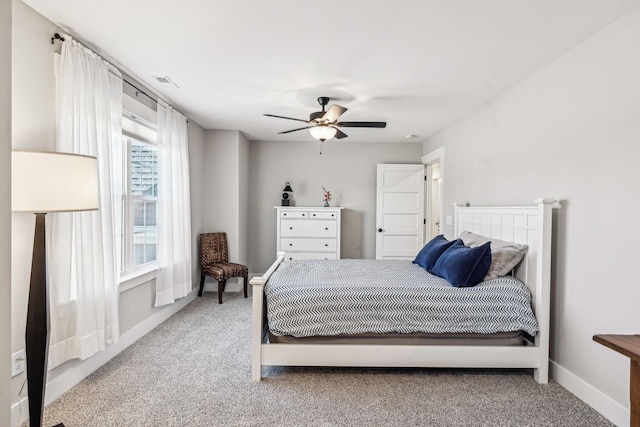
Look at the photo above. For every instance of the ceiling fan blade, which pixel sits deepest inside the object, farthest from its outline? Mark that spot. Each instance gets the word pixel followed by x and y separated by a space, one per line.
pixel 333 114
pixel 294 130
pixel 362 124
pixel 288 118
pixel 340 134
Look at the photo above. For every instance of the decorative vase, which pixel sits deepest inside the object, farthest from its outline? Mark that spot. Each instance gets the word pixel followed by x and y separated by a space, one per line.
pixel 327 197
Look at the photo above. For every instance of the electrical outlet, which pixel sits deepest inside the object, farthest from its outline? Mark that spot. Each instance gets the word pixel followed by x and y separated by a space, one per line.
pixel 17 363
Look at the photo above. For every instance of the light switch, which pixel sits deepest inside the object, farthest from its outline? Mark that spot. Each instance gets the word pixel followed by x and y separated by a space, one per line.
pixel 449 220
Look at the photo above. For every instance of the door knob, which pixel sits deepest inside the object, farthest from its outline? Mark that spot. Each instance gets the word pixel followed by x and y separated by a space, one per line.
pixel 379 230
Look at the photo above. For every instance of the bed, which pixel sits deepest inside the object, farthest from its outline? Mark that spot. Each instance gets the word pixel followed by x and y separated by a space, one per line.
pixel 530 225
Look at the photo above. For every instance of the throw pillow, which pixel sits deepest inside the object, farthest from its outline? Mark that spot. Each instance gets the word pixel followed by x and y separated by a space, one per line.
pixel 430 253
pixel 463 266
pixel 505 256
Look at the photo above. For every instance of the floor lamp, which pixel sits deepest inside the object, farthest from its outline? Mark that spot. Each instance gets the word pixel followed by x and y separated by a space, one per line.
pixel 41 183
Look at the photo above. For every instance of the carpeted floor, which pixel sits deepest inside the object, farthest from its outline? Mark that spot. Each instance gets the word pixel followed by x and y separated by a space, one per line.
pixel 193 370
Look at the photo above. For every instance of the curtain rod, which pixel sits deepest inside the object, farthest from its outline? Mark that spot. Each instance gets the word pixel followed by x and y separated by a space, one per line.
pixel 139 91
pixel 57 36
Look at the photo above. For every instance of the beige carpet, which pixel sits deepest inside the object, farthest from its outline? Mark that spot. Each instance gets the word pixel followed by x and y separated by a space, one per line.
pixel 193 370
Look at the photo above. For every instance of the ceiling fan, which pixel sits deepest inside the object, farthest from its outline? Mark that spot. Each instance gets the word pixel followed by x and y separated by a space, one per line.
pixel 323 125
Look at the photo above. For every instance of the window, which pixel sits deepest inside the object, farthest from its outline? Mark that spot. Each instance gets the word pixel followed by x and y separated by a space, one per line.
pixel 140 195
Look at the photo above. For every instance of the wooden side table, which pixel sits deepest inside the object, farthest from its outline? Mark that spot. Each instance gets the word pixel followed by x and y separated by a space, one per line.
pixel 629 345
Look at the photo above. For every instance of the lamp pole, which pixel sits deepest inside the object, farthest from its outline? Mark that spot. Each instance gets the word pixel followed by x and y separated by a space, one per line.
pixel 37 329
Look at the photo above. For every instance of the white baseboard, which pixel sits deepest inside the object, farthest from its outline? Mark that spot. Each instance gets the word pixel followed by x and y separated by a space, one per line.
pixel 232 285
pixel 19 412
pixel 62 383
pixel 609 408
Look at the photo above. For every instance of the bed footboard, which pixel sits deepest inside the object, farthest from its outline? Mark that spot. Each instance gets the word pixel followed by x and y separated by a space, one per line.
pixel 258 318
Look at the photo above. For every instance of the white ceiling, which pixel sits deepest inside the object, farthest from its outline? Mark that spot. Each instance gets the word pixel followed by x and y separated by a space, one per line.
pixel 417 64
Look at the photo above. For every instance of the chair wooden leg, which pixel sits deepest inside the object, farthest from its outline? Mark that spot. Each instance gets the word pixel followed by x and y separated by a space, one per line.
pixel 221 284
pixel 246 282
pixel 201 285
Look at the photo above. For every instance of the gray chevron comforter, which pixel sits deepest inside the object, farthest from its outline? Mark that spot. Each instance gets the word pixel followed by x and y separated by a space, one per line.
pixel 354 296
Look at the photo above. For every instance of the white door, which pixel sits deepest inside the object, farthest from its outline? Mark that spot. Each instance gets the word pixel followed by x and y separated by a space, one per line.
pixel 399 211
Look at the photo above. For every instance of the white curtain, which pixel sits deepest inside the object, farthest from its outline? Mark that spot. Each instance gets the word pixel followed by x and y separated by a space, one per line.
pixel 85 246
pixel 174 207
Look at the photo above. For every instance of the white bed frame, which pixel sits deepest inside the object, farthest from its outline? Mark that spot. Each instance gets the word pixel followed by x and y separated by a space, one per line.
pixel 521 224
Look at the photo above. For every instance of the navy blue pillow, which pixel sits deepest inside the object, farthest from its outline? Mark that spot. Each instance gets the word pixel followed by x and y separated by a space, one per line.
pixel 464 266
pixel 430 253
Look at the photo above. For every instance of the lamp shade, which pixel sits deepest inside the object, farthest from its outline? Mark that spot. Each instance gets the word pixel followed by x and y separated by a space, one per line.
pixel 322 132
pixel 53 182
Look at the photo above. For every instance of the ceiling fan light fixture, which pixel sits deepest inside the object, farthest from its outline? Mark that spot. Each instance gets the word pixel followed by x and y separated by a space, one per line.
pixel 322 132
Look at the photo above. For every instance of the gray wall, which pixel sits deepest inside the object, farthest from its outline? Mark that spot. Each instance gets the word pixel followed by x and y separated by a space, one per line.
pixel 224 160
pixel 225 193
pixel 571 131
pixel 243 200
pixel 5 213
pixel 33 121
pixel 347 169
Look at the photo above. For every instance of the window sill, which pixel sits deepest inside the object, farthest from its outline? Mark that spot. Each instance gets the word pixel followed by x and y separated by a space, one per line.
pixel 138 277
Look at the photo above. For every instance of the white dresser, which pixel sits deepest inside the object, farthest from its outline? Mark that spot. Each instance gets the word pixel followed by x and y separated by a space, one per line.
pixel 308 232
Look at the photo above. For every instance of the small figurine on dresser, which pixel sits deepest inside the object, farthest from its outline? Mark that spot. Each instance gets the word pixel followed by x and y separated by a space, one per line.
pixel 287 195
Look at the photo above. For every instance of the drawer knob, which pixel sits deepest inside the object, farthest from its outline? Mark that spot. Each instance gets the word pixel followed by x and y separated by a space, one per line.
pixel 332 215
pixel 290 244
pixel 284 214
pixel 303 214
pixel 326 228
pixel 314 214
pixel 290 259
pixel 326 244
pixel 290 228
pixel 379 230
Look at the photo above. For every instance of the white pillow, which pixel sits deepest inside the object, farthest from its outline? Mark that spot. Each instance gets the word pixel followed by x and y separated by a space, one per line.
pixel 505 256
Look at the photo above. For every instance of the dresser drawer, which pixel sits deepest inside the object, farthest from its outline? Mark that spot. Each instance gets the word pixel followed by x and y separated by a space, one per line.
pixel 300 228
pixel 308 245
pixel 309 255
pixel 294 214
pixel 322 215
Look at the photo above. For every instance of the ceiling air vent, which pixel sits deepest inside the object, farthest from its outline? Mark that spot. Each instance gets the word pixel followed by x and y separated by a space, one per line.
pixel 166 81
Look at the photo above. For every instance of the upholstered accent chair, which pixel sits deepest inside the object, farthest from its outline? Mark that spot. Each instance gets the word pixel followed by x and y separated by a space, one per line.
pixel 214 262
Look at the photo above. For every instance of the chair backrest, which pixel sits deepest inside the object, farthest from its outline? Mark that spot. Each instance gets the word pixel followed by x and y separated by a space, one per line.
pixel 213 249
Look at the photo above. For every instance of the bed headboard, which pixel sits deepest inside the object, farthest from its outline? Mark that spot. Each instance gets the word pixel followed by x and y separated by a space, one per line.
pixel 530 225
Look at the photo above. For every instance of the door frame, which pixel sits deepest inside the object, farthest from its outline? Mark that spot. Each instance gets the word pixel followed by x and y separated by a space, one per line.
pixel 435 156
